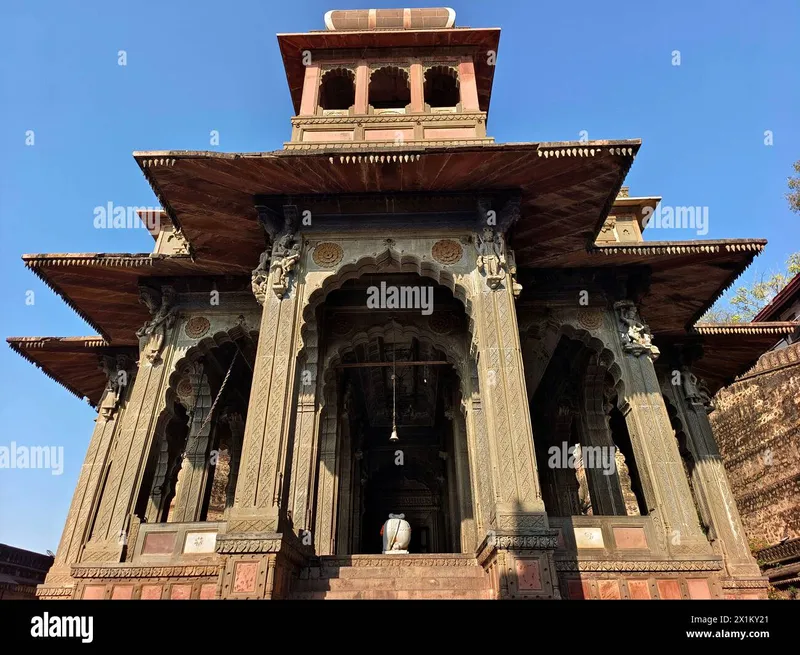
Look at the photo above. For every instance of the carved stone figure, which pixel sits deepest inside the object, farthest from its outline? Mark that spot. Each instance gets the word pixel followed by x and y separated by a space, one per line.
pixel 396 535
pixel 695 390
pixel 285 256
pixel 162 306
pixel 636 335
pixel 491 256
pixel 116 370
pixel 260 276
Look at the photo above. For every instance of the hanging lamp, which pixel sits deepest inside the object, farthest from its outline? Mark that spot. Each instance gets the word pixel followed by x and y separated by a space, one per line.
pixel 394 436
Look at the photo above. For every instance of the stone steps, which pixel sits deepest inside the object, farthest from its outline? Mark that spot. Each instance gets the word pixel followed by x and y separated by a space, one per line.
pixel 393 577
pixel 390 595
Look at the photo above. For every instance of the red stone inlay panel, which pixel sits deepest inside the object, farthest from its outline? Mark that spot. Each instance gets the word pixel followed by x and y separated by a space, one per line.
pixel 639 589
pixel 630 538
pixel 698 589
pixel 181 592
pixel 208 591
pixel 669 589
pixel 159 543
pixel 529 576
pixel 94 592
pixel 578 590
pixel 608 589
pixel 244 577
pixel 151 592
pixel 122 592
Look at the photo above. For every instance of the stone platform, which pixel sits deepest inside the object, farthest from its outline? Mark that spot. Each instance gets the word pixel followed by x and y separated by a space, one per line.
pixel 393 577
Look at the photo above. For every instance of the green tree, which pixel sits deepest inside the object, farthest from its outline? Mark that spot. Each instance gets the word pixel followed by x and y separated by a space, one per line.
pixel 794 189
pixel 748 300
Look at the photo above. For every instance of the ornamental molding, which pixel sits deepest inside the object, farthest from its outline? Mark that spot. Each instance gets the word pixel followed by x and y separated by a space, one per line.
pixel 755 583
pixel 624 566
pixel 396 562
pixel 146 571
pixel 466 117
pixel 51 592
pixel 699 248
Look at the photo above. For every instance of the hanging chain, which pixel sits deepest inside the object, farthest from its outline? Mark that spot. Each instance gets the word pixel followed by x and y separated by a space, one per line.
pixel 219 393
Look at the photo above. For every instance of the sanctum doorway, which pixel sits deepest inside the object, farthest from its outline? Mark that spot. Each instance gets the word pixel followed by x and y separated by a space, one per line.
pixel 395 365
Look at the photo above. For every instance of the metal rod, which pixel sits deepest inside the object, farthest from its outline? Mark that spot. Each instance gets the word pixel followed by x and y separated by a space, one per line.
pixel 381 364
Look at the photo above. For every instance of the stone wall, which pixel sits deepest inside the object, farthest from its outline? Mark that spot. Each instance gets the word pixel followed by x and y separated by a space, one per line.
pixel 757 426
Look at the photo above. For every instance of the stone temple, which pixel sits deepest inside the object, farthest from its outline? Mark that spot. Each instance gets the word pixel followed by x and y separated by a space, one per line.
pixel 393 268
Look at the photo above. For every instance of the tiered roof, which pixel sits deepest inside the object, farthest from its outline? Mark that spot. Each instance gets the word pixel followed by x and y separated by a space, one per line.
pixel 566 192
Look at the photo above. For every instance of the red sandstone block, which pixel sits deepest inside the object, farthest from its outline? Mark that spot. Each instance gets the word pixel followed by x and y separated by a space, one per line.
pixel 181 592
pixel 208 591
pixel 151 592
pixel 669 589
pixel 639 589
pixel 630 538
pixel 122 592
pixel 94 592
pixel 698 589
pixel 244 577
pixel 578 590
pixel 608 589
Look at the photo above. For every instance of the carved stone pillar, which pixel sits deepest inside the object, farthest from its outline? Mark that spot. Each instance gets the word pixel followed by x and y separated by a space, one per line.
pixel 310 97
pixel 328 481
pixel 95 464
pixel 193 476
pixel 134 434
pixel 417 84
pixel 518 551
pixel 259 540
pixel 467 85
pixel 658 460
pixel 305 445
pixel 362 88
pixel 710 481
pixel 481 467
pixel 236 426
pixel 463 484
pixel 605 489
pixel 260 502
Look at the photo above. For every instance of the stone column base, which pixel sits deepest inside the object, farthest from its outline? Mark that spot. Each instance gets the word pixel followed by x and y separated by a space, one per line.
pixel 260 565
pixel 521 566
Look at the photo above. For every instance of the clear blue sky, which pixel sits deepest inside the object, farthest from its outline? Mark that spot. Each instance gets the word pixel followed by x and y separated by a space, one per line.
pixel 194 66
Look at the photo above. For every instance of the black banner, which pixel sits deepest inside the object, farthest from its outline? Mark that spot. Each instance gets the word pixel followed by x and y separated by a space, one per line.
pixel 49 625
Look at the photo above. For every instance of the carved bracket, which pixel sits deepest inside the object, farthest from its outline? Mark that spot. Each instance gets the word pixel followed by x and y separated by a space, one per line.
pixel 162 307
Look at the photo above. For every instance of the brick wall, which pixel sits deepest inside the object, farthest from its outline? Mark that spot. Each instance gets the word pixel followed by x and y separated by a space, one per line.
pixel 757 427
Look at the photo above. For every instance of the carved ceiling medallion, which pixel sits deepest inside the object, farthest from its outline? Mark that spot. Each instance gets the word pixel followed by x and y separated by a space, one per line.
pixel 447 251
pixel 328 254
pixel 196 327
